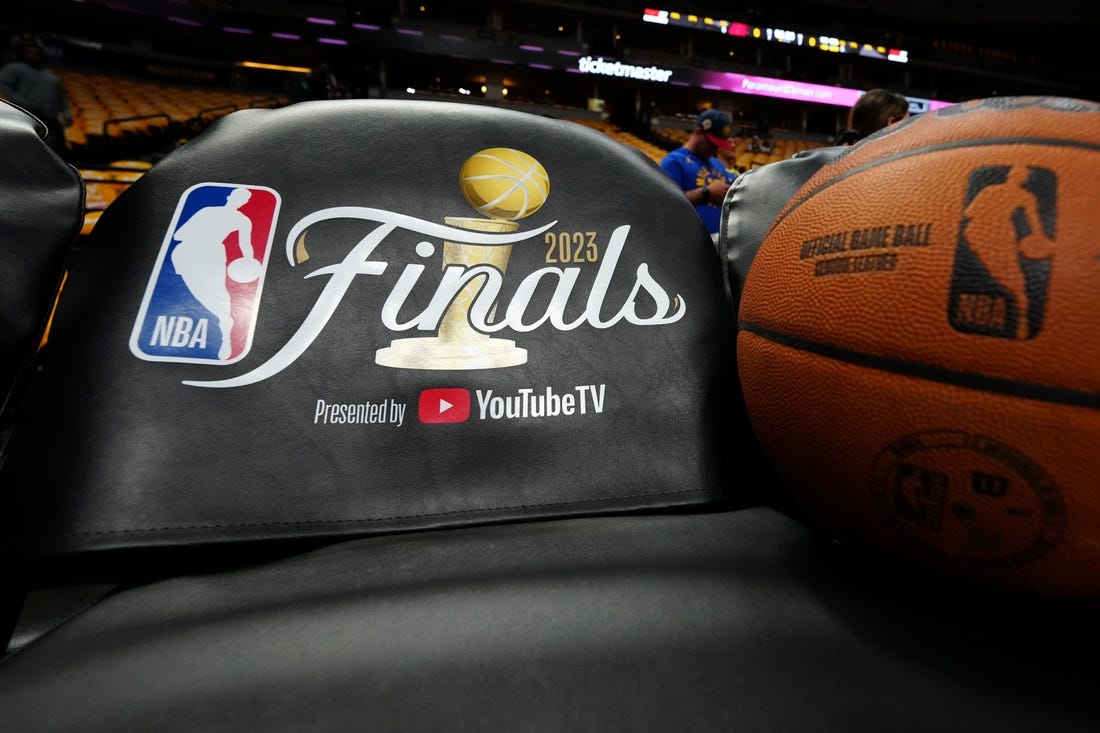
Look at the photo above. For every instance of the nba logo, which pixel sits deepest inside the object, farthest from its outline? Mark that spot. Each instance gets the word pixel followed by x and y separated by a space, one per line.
pixel 1004 252
pixel 201 302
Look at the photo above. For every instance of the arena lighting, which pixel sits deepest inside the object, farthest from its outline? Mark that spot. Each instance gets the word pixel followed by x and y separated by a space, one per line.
pixel 333 41
pixel 321 21
pixel 528 47
pixel 774 35
pixel 365 27
pixel 273 67
pixel 185 21
pixel 797 91
pixel 286 36
pixel 762 86
pixel 85 43
pixel 410 32
pixel 241 31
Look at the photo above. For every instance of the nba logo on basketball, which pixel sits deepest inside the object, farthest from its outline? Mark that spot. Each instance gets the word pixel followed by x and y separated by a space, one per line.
pixel 1004 251
pixel 202 298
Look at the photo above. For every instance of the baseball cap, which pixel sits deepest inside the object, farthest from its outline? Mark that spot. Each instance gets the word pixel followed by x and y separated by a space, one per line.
pixel 717 128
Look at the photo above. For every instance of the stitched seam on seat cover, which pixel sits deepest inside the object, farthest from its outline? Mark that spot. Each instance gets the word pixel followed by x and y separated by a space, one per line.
pixel 309 522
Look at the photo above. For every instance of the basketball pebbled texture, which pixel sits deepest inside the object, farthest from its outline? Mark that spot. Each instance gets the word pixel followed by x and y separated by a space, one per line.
pixel 919 343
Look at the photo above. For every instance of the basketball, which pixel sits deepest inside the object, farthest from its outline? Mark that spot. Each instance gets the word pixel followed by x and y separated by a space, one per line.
pixel 504 183
pixel 244 270
pixel 919 345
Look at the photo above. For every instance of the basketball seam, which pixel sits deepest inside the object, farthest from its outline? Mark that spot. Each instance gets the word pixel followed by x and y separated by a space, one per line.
pixel 947 145
pixel 928 372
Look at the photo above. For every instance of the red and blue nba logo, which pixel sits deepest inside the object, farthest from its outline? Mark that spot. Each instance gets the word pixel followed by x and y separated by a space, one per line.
pixel 201 302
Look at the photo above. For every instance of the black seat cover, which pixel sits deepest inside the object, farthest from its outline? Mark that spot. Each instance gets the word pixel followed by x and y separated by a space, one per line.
pixel 340 413
pixel 754 200
pixel 41 212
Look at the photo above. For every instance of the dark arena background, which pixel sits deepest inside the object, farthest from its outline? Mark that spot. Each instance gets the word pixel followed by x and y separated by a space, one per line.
pixel 146 75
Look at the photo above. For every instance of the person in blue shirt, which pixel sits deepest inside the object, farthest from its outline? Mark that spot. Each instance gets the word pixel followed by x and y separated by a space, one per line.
pixel 703 181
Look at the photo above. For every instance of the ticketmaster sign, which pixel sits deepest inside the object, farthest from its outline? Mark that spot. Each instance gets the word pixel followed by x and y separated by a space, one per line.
pixel 589 65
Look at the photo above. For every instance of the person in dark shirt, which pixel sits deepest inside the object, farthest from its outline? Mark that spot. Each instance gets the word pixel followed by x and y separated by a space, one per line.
pixel 876 109
pixel 27 83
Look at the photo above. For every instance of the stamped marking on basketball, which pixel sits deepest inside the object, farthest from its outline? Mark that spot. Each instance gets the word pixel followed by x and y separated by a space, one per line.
pixel 866 249
pixel 969 498
pixel 1005 250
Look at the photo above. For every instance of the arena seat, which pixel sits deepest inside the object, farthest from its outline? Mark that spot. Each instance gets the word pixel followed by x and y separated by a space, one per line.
pixel 103 184
pixel 41 201
pixel 109 107
pixel 744 161
pixel 743 227
pixel 422 489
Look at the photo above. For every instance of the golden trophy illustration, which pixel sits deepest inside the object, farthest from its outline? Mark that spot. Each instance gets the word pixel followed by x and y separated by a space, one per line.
pixel 505 185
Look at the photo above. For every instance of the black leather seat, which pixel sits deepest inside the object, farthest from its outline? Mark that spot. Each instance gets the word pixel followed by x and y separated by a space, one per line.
pixel 736 620
pixel 303 533
pixel 41 212
pixel 41 208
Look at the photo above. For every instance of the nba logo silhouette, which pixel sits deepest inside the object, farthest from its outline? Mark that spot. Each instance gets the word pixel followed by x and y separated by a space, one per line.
pixel 1004 252
pixel 201 302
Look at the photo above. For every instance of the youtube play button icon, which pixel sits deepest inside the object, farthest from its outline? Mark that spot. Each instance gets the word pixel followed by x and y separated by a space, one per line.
pixel 443 405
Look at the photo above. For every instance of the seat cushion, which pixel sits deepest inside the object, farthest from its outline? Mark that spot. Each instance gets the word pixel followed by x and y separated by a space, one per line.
pixel 739 620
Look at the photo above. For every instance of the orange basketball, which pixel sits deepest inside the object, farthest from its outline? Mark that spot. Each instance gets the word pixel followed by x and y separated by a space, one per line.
pixel 919 343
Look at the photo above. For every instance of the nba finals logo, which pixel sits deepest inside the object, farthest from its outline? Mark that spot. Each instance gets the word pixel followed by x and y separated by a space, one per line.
pixel 1004 251
pixel 456 309
pixel 201 302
